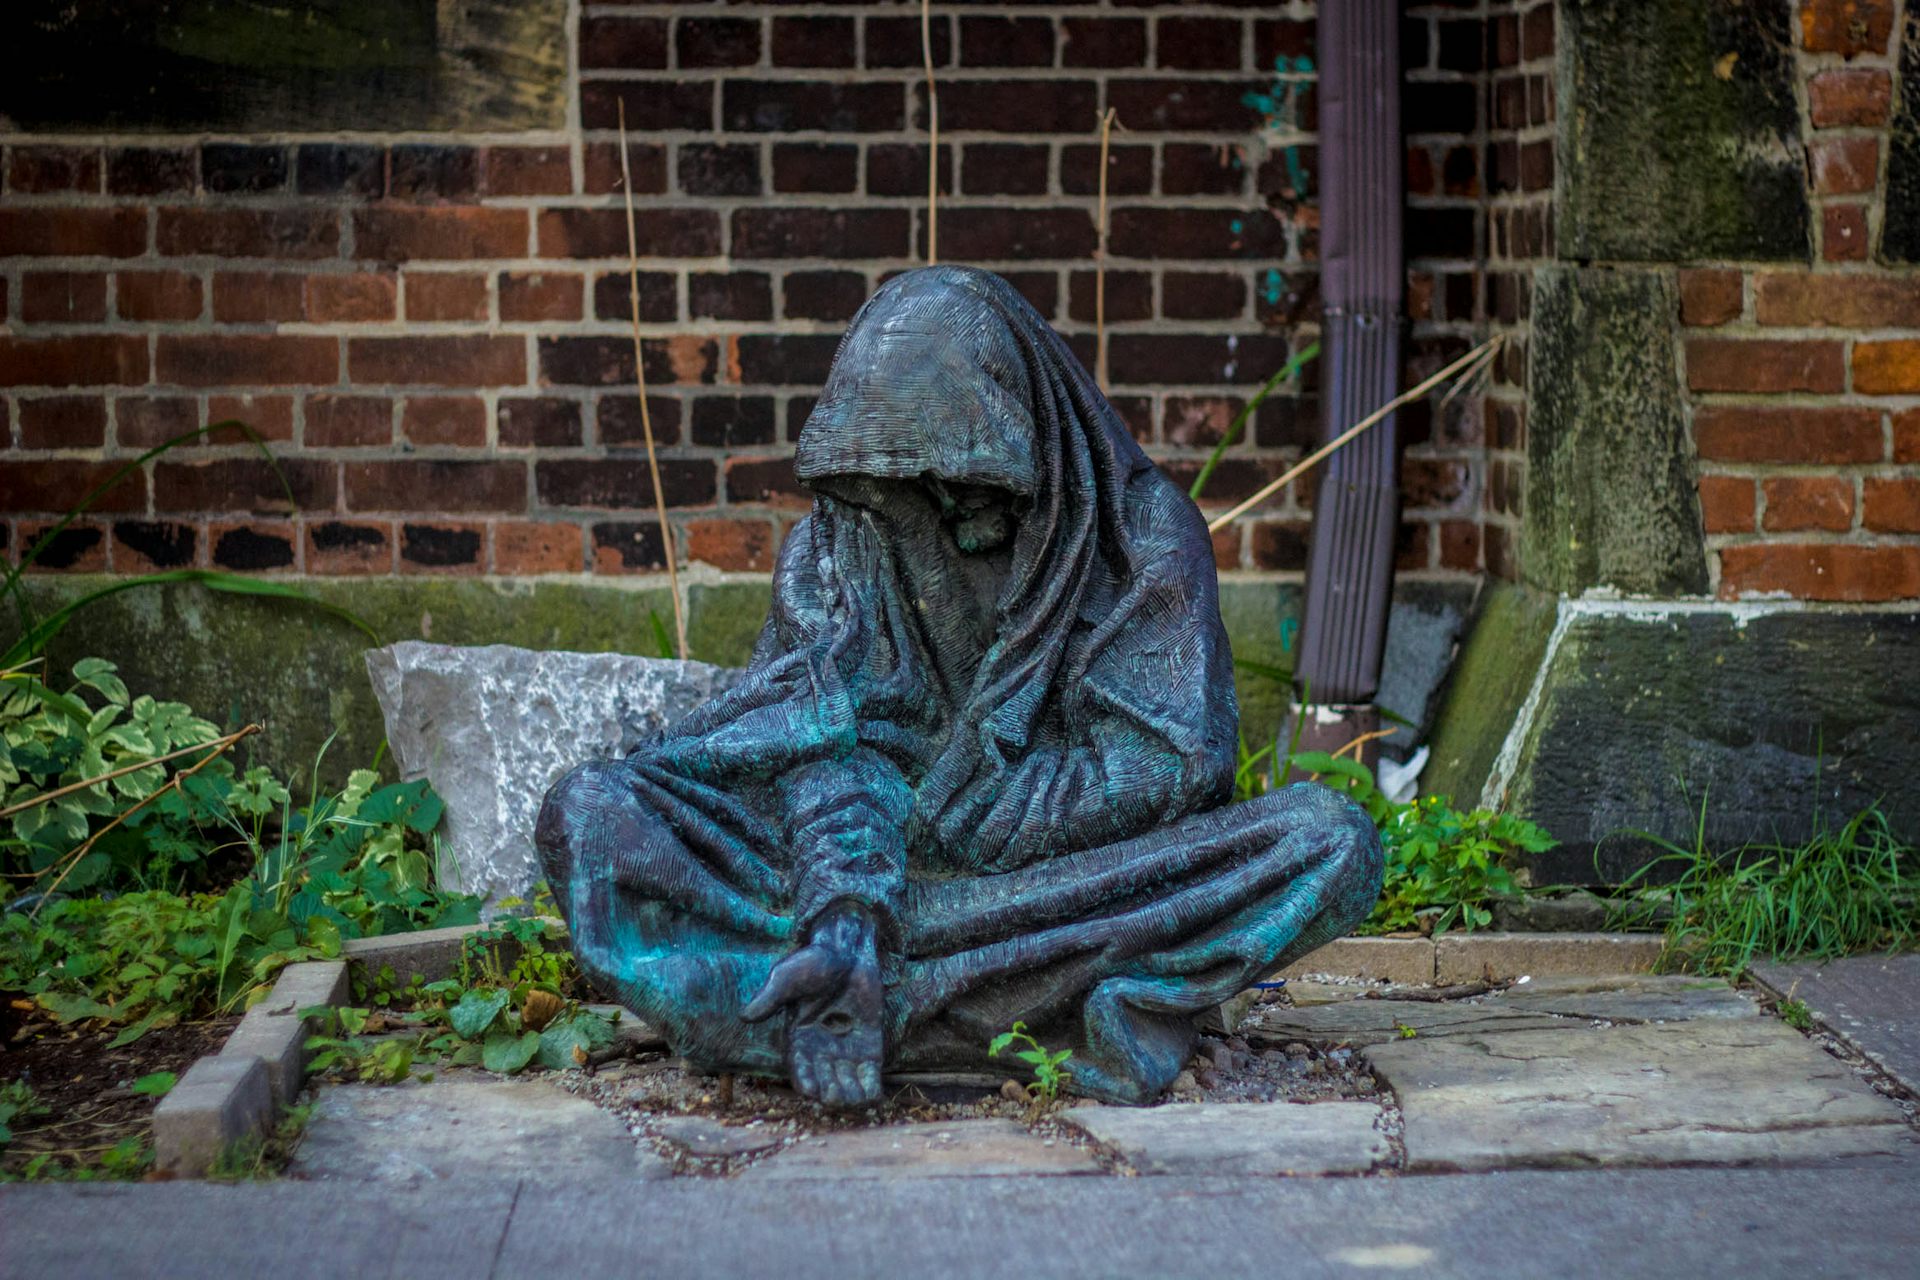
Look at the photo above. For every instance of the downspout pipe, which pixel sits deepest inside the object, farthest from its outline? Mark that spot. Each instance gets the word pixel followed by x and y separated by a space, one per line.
pixel 1356 510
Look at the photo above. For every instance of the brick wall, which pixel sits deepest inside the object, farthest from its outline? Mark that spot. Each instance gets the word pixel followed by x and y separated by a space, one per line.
pixel 430 329
pixel 1805 382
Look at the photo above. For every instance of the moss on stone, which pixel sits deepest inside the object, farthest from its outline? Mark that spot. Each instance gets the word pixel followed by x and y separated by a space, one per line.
pixel 1484 694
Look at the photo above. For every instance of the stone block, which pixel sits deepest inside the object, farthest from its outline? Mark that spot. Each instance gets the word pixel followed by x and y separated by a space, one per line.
pixel 217 1103
pixel 492 727
pixel 1900 232
pixel 1402 960
pixel 1244 1140
pixel 273 1031
pixel 430 954
pixel 1467 957
pixel 1364 1022
pixel 959 1149
pixel 1486 689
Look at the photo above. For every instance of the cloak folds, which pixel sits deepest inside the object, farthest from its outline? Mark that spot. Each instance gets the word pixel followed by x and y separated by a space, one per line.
pixel 1018 755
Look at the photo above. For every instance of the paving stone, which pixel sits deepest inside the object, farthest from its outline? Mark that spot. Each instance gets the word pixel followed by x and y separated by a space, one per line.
pixel 962 1149
pixel 1712 1091
pixel 1468 957
pixel 1374 959
pixel 1305 992
pixel 441 1130
pixel 708 1138
pixel 1871 1002
pixel 1635 998
pixel 1254 1139
pixel 1364 1022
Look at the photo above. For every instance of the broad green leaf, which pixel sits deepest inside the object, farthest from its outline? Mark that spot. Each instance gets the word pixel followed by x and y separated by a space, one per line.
pixel 156 1085
pixel 507 1053
pixel 476 1012
pixel 585 1030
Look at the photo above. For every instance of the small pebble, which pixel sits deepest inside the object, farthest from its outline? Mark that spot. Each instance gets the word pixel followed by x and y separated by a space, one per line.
pixel 1298 1050
pixel 1220 1055
pixel 1208 1078
pixel 1184 1083
pixel 1238 1045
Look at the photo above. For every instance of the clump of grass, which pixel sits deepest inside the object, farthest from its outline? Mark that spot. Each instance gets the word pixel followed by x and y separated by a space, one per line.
pixel 1847 889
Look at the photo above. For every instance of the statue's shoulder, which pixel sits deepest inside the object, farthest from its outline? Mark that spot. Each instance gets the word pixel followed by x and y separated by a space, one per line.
pixel 1163 518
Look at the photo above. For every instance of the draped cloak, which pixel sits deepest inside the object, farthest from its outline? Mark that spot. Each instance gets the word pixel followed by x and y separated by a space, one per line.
pixel 1019 760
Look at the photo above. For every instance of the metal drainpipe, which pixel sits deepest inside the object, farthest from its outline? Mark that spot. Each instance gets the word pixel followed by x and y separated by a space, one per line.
pixel 1356 512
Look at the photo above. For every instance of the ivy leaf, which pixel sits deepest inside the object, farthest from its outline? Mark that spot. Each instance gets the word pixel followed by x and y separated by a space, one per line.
pixel 507 1053
pixel 477 1011
pixel 585 1030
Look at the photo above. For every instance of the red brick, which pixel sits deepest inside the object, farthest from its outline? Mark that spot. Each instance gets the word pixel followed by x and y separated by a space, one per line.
pixel 350 298
pixel 63 422
pixel 1846 27
pixel 268 418
pixel 602 233
pixel 1843 233
pixel 523 548
pixel 152 171
pixel 77 361
pixel 337 422
pixel 1797 503
pixel 1276 545
pixel 439 295
pixel 157 295
pixel 1801 298
pixel 1824 571
pixel 153 546
pixel 1765 365
pixel 1198 421
pixel 1710 297
pixel 80 547
pixel 439 362
pixel 45 169
pixel 249 233
pixel 457 487
pixel 1850 95
pixel 444 420
pixel 626 546
pixel 647 161
pixel 242 484
pixel 1226 547
pixel 1460 546
pixel 533 296
pixel 349 547
pixel 618 483
pixel 63 297
pixel 1727 504
pixel 1746 433
pixel 1887 368
pixel 1891 504
pixel 533 423
pixel 1906 436
pixel 258 297
pixel 1194 233
pixel 442 547
pixel 142 422
pixel 62 486
pixel 1844 166
pixel 529 171
pixel 405 234
pixel 74 233
pixel 254 546
pixel 228 360
pixel 731 544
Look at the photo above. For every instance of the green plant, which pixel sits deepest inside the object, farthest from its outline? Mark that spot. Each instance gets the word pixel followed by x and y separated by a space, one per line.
pixel 1050 1073
pixel 1796 1015
pixel 1298 361
pixel 156 1085
pixel 1854 888
pixel 17 1102
pixel 339 1047
pixel 262 1155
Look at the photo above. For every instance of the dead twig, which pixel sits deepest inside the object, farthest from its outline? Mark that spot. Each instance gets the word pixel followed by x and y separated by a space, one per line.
pixel 1100 263
pixel 933 133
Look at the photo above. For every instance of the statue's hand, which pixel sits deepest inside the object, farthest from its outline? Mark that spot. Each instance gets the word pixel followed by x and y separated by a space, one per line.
pixel 831 988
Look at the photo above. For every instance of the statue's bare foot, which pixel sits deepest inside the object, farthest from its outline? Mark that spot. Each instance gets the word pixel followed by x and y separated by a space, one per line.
pixel 831 988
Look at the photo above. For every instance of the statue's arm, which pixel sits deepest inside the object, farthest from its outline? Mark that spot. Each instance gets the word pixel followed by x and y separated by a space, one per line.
pixel 844 819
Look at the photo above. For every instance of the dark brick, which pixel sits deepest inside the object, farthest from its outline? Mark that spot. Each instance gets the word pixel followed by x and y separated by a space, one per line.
pixel 63 422
pixel 1004 169
pixel 1209 106
pixel 638 44
pixel 433 172
pixel 708 170
pixel 717 42
pixel 608 361
pixel 620 483
pixel 247 548
pixel 450 485
pixel 456 421
pixel 1129 296
pixel 626 545
pixel 774 232
pixel 1438 106
pixel 527 423
pixel 79 360
pixel 646 161
pixel 74 547
pixel 739 295
pixel 785 359
pixel 1202 295
pixel 439 546
pixel 1195 233
pixel 813 42
pixel 653 106
pixel 1041 288
pixel 602 233
pixel 529 171
pixel 1279 546
pixel 159 544
pixel 48 169
pixel 1006 42
pixel 112 233
pixel 789 106
pixel 1195 359
pixel 1129 170
pixel 248 233
pixel 725 421
pixel 659 296
pixel 63 297
pixel 619 422
pixel 142 422
pixel 62 486
pixel 823 295
pixel 1198 44
pixel 538 295
pixel 1018 106
pixel 340 169
pixel 1462 46
pixel 896 42
pixel 243 484
pixel 900 169
pixel 348 421
pixel 765 480
pixel 1195 169
pixel 469 360
pixel 815 167
pixel 1103 42
pixel 1440 233
pixel 983 233
pixel 231 168
pixel 151 171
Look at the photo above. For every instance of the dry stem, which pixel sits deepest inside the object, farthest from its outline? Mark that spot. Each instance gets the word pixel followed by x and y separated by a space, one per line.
pixel 933 133
pixel 1100 263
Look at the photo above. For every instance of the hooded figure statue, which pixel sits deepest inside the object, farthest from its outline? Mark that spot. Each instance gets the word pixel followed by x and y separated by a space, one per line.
pixel 980 766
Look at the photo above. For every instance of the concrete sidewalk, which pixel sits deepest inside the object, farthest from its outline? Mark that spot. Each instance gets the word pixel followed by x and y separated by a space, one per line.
pixel 1854 1218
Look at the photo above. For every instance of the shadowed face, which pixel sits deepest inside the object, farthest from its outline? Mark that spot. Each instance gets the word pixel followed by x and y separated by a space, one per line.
pixel 980 517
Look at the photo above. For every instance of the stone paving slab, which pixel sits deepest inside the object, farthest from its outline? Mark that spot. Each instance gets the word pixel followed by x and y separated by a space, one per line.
pixel 1709 1091
pixel 1251 1140
pixel 959 1149
pixel 1871 1002
pixel 1629 998
pixel 1364 1022
pixel 429 1132
pixel 710 1139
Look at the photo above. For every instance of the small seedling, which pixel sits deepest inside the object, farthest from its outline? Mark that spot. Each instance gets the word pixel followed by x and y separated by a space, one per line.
pixel 1049 1071
pixel 1796 1015
pixel 1404 1031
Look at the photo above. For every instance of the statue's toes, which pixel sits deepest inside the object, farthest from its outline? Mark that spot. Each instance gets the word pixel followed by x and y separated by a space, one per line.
pixel 804 1079
pixel 870 1080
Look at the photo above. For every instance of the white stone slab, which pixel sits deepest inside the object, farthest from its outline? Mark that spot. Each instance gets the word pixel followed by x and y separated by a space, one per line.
pixel 1254 1139
pixel 961 1149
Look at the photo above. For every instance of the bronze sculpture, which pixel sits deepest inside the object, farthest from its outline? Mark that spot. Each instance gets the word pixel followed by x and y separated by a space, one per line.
pixel 979 766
